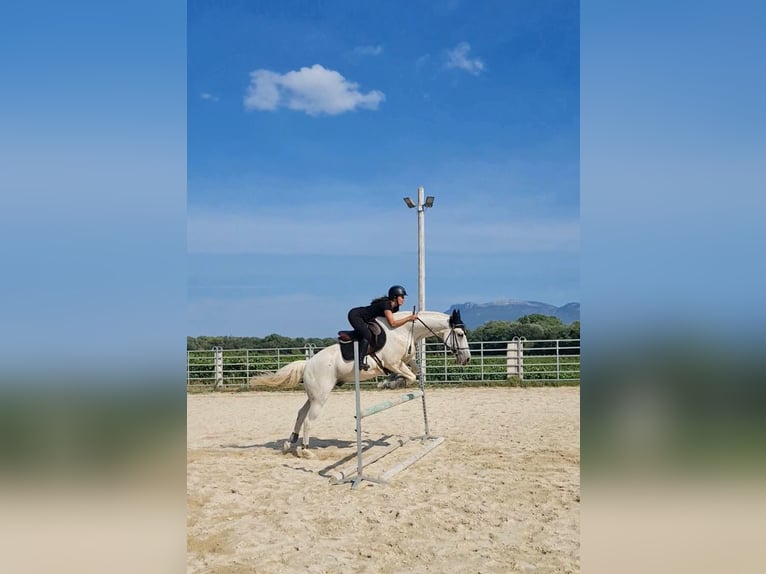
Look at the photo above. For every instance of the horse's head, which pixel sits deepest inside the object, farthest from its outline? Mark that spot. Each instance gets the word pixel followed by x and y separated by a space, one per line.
pixel 449 329
pixel 455 339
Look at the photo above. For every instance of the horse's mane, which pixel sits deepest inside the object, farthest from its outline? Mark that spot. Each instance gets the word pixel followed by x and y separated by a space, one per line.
pixel 424 315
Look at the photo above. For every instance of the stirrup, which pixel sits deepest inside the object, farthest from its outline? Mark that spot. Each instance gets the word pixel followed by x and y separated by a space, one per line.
pixel 364 367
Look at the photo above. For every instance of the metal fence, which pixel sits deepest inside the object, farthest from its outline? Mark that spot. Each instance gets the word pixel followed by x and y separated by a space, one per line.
pixel 541 361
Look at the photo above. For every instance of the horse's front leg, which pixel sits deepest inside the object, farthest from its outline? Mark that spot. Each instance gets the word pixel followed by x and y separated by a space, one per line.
pixel 404 372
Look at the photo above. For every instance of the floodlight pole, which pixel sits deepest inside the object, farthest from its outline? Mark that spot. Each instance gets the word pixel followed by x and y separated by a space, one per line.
pixel 421 281
pixel 421 207
pixel 421 254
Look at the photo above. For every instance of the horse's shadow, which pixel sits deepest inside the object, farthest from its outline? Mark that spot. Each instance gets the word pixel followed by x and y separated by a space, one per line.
pixel 316 445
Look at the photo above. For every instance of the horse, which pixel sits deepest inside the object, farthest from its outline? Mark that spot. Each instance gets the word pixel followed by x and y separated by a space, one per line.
pixel 326 369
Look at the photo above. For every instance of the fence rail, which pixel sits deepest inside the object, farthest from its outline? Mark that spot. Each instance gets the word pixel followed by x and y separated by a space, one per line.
pixel 541 361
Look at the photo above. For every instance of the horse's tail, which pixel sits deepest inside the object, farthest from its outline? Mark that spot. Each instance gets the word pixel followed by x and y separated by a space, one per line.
pixel 291 375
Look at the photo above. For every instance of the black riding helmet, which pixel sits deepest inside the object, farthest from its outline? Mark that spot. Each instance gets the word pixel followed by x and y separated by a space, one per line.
pixel 395 291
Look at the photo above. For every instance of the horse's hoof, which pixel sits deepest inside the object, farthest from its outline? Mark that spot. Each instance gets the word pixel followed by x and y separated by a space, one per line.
pixel 383 385
pixel 305 453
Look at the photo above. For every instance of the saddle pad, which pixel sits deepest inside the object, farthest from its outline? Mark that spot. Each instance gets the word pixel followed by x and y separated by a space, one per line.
pixel 346 349
pixel 346 341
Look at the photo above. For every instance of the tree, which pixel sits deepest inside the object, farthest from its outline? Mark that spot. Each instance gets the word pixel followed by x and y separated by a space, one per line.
pixel 572 331
pixel 494 331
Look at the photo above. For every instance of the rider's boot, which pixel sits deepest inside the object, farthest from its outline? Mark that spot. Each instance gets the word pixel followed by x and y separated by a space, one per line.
pixel 363 344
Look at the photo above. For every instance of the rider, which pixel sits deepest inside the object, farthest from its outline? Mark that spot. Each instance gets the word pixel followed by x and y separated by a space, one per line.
pixel 384 306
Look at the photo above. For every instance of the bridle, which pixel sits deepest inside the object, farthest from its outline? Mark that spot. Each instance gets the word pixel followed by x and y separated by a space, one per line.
pixel 452 347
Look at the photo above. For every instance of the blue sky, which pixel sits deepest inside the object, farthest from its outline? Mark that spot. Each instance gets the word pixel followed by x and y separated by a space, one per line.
pixel 308 122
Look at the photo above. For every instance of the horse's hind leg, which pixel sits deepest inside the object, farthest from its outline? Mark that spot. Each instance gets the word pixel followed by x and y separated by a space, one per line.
pixel 314 411
pixel 292 444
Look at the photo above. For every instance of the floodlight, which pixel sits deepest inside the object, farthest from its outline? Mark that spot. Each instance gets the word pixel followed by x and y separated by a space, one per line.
pixel 429 201
pixel 408 201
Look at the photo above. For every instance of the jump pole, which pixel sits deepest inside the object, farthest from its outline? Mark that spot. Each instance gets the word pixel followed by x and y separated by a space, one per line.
pixel 422 384
pixel 432 444
pixel 356 480
pixel 352 468
pixel 390 403
pixel 356 476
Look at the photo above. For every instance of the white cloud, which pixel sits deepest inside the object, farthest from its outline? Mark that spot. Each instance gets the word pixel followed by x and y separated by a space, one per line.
pixel 313 229
pixel 510 236
pixel 327 230
pixel 315 90
pixel 458 58
pixel 368 50
pixel 422 61
pixel 210 97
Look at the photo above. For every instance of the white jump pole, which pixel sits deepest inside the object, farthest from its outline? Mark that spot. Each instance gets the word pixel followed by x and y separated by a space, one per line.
pixel 352 468
pixel 390 403
pixel 432 444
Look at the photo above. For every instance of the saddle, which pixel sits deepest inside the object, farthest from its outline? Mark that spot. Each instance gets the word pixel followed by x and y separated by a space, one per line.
pixel 346 340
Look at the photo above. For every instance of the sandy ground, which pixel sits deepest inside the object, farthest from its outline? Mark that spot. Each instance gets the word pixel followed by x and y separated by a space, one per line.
pixel 501 494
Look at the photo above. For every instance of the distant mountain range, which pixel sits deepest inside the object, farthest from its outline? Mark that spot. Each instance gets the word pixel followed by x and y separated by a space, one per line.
pixel 476 314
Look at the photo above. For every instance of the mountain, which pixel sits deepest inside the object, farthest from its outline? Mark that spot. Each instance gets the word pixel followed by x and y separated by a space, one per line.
pixel 476 314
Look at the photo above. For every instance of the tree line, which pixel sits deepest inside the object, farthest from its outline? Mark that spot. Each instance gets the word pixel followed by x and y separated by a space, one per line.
pixel 531 327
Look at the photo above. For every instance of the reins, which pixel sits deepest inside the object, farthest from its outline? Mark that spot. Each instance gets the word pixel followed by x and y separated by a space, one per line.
pixel 412 334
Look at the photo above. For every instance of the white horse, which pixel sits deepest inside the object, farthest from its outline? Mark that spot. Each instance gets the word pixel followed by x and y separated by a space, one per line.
pixel 322 372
